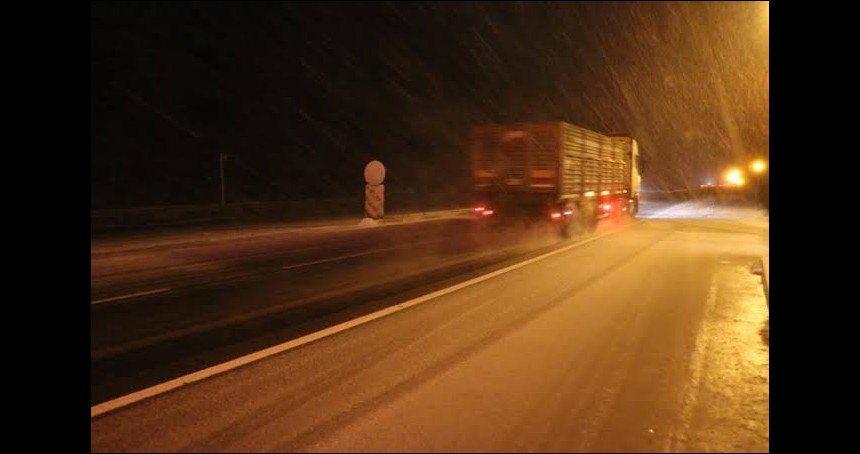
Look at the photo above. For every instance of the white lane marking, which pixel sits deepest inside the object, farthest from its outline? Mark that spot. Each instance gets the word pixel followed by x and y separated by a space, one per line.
pixel 342 257
pixel 333 259
pixel 131 295
pixel 679 438
pixel 162 388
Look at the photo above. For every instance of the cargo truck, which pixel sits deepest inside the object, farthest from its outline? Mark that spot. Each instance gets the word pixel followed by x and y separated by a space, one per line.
pixel 555 172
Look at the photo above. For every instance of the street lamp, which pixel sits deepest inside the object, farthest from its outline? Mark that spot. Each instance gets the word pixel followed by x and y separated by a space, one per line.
pixel 758 166
pixel 734 177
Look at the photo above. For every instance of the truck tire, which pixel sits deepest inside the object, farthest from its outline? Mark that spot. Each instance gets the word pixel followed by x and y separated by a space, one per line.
pixel 633 207
pixel 565 229
pixel 591 222
pixel 586 217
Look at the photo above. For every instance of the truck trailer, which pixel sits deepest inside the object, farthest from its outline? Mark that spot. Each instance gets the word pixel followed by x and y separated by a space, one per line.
pixel 555 172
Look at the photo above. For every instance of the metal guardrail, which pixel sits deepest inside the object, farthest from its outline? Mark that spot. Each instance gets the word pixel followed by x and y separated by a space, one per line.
pixel 289 211
pixel 158 238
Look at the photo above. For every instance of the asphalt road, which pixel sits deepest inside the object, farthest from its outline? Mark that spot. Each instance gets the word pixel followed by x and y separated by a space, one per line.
pixel 648 336
pixel 163 311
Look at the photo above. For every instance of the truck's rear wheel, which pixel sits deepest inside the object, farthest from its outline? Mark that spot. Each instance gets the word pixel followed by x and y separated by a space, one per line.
pixel 586 217
pixel 591 222
pixel 565 229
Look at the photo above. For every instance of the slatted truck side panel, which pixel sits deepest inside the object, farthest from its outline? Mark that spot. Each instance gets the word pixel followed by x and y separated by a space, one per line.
pixel 553 171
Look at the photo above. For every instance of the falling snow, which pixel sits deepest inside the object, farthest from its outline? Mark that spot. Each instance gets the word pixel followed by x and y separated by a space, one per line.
pixel 302 95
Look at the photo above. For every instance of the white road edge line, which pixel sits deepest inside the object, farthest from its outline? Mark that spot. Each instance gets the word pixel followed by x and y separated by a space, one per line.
pixel 131 295
pixel 162 388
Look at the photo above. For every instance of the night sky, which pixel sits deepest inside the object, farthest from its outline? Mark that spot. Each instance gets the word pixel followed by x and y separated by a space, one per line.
pixel 302 95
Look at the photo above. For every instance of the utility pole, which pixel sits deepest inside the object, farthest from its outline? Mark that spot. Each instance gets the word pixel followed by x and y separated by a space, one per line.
pixel 222 157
